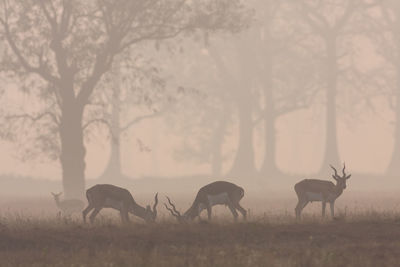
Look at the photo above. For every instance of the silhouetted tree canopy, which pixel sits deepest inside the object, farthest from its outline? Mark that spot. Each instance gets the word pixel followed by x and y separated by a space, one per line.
pixel 70 45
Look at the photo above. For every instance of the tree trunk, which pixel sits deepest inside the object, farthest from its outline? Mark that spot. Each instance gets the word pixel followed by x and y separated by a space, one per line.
pixel 331 146
pixel 394 165
pixel 243 164
pixel 73 150
pixel 217 142
pixel 268 166
pixel 113 169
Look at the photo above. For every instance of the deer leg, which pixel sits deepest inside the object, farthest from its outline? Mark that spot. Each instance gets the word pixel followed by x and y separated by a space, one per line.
pixel 332 206
pixel 297 210
pixel 209 212
pixel 300 206
pixel 234 212
pixel 323 208
pixel 124 215
pixel 93 214
pixel 85 212
pixel 241 210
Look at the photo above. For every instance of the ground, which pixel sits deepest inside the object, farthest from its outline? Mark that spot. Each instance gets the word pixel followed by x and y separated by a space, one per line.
pixel 359 241
pixel 364 232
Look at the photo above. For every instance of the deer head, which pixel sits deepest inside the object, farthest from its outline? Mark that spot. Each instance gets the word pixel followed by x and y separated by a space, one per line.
pixel 56 196
pixel 150 215
pixel 174 212
pixel 341 180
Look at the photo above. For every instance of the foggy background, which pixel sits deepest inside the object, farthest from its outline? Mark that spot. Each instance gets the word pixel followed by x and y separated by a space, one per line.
pixel 261 93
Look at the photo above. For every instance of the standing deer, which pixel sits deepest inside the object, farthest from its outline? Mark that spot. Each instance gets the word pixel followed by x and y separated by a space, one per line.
pixel 68 206
pixel 216 193
pixel 310 190
pixel 110 196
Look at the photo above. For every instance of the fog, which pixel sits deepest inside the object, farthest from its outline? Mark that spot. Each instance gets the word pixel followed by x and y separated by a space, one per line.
pixel 260 93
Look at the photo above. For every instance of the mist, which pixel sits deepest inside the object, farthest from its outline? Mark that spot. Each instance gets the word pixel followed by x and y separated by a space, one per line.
pixel 165 109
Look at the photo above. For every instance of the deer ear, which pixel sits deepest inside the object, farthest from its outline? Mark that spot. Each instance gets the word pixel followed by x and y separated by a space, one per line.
pixel 348 176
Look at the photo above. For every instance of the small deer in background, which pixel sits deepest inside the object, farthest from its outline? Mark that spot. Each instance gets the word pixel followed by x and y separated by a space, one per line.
pixel 309 190
pixel 68 206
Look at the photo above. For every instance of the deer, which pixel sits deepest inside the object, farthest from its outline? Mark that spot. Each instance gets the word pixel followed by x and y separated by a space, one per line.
pixel 68 206
pixel 309 190
pixel 216 193
pixel 110 196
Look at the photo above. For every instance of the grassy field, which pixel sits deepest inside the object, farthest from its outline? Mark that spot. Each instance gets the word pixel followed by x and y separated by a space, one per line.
pixel 371 239
pixel 365 232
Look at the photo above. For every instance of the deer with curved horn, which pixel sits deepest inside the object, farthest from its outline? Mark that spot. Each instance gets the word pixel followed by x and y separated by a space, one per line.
pixel 110 196
pixel 309 190
pixel 216 193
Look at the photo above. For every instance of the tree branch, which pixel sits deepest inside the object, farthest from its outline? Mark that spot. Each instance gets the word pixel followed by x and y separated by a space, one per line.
pixel 35 118
pixel 102 121
pixel 24 62
pixel 139 119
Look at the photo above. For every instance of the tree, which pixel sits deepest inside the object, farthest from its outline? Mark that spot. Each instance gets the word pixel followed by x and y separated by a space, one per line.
pixel 134 91
pixel 202 114
pixel 327 21
pixel 70 45
pixel 285 75
pixel 385 34
pixel 262 87
pixel 235 68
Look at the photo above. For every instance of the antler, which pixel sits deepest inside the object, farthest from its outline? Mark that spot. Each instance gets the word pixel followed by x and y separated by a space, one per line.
pixel 344 167
pixel 155 204
pixel 173 211
pixel 334 170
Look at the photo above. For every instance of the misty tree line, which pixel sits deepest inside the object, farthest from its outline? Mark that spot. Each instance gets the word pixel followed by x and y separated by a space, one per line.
pixel 85 64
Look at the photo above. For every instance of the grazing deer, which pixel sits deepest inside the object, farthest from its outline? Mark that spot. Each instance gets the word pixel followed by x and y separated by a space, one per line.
pixel 111 196
pixel 68 206
pixel 216 193
pixel 310 190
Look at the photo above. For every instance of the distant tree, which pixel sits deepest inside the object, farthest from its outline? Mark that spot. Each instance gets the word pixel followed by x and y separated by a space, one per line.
pixel 286 76
pixel 266 76
pixel 328 23
pixel 133 91
pixel 70 45
pixel 199 115
pixel 234 67
pixel 384 32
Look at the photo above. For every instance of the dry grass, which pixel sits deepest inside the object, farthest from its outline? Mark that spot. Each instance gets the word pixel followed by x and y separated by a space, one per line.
pixel 358 240
pixel 360 235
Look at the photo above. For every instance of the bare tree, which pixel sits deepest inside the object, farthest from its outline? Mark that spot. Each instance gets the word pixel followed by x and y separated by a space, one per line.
pixel 70 45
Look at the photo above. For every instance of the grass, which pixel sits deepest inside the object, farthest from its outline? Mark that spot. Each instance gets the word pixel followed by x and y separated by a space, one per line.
pixel 365 232
pixel 369 239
